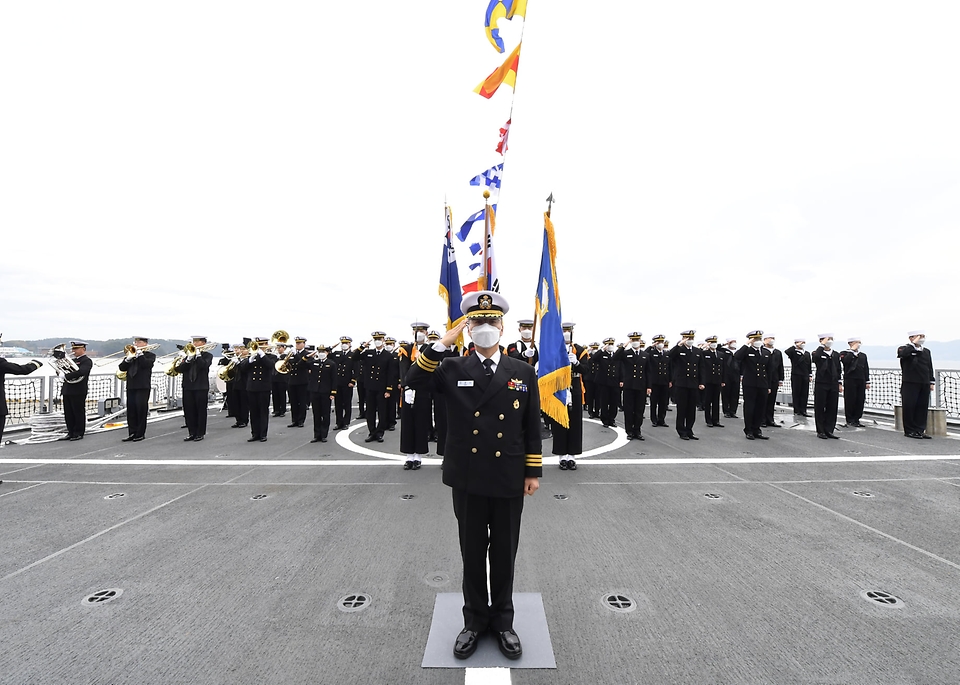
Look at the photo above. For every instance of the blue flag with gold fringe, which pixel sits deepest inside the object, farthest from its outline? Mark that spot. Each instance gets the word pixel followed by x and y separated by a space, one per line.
pixel 554 376
pixel 450 278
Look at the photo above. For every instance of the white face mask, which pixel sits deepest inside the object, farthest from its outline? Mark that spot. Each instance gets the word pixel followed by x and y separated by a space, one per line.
pixel 828 344
pixel 921 340
pixel 757 343
pixel 485 335
pixel 378 343
pixel 732 346
pixel 659 346
pixel 688 342
pixel 345 346
pixel 713 346
pixel 771 342
pixel 389 348
pixel 322 355
pixel 800 346
pixel 635 344
pixel 567 337
pixel 611 348
pixel 421 336
pixel 526 334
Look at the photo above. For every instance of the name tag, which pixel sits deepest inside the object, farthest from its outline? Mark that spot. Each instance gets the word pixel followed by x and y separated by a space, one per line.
pixel 464 384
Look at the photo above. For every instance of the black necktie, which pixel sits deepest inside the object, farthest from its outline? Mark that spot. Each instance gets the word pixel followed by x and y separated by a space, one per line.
pixel 488 367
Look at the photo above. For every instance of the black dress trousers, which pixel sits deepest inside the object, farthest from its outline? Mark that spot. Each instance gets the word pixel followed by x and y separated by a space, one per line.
pixel 320 401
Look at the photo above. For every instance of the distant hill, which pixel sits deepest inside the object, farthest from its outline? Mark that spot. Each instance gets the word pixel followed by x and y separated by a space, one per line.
pixel 97 348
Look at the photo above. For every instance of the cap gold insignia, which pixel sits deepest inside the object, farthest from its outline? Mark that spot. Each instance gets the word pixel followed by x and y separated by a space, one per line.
pixel 485 302
pixel 516 404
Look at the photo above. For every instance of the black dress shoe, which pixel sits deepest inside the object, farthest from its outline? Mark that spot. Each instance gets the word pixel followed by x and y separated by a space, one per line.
pixel 924 436
pixel 693 437
pixel 416 466
pixel 315 440
pixel 138 438
pixel 391 428
pixel 718 425
pixel 198 438
pixel 639 437
pixel 571 465
pixel 858 425
pixel 263 439
pixel 563 464
pixel 188 439
pixel 236 425
pixel 509 644
pixel 370 438
pixel 822 436
pixel 407 465
pixel 379 438
pixel 323 439
pixel 665 425
pixel 129 438
pixel 750 437
pixel 832 436
pixel 466 643
pixel 684 437
pixel 760 436
pixel 252 439
pixel 74 438
pixel 292 425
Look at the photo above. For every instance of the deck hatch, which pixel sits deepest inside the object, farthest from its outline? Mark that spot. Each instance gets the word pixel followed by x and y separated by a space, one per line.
pixel 102 596
pixel 357 601
pixel 882 598
pixel 620 603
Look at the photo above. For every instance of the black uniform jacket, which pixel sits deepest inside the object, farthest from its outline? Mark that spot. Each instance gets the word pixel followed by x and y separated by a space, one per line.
pixel 259 371
pixel 322 375
pixel 14 370
pixel 296 369
pixel 916 365
pixel 605 369
pixel 632 368
pixel 516 350
pixel 78 389
pixel 855 366
pixel 731 367
pixel 711 367
pixel 196 372
pixel 406 358
pixel 828 366
pixel 346 365
pixel 800 363
pixel 753 367
pixel 139 370
pixel 658 367
pixel 775 366
pixel 379 371
pixel 493 433
pixel 685 366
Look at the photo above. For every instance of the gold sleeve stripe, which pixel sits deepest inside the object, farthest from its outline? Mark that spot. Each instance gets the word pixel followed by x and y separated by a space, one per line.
pixel 426 364
pixel 534 460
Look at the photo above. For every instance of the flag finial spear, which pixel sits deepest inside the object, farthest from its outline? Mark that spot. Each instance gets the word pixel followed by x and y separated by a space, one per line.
pixel 550 202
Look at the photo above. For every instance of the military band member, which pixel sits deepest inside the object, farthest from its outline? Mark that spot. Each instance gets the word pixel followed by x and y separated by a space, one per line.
pixel 591 405
pixel 322 383
pixel 918 381
pixel 711 378
pixel 297 381
pixel 416 408
pixel 259 369
pixel 14 370
pixel 139 366
pixel 658 370
pixel 634 374
pixel 604 367
pixel 237 388
pixel 493 459
pixel 685 367
pixel 525 349
pixel 568 442
pixel 195 372
pixel 378 373
pixel 827 387
pixel 74 391
pixel 856 382
pixel 800 376
pixel 345 359
pixel 756 384
pixel 278 384
pixel 775 375
pixel 730 392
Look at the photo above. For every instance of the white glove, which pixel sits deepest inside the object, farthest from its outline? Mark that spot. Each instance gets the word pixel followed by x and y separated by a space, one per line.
pixel 572 357
pixel 409 395
pixel 139 353
pixel 191 357
pixel 569 398
pixel 529 352
pixel 261 353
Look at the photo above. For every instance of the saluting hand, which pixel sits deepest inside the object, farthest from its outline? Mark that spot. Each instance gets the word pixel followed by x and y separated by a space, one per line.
pixel 450 337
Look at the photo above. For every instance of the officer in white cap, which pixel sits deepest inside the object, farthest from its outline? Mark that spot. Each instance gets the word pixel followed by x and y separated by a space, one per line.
pixel 917 383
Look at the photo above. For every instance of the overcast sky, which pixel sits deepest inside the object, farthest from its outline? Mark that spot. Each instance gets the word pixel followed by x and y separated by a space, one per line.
pixel 232 168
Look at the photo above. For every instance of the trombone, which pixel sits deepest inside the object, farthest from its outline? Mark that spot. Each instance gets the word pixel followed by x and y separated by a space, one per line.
pixel 129 351
pixel 183 351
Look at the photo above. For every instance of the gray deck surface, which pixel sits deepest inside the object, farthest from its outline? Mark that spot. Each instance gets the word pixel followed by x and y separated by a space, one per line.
pixel 762 585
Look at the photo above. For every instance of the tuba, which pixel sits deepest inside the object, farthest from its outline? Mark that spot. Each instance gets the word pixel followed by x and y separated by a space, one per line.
pixel 63 362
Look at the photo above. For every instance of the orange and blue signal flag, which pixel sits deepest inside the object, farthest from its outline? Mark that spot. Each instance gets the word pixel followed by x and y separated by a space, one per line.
pixel 501 9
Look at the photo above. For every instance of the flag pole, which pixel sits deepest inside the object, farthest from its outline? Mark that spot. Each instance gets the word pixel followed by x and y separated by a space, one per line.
pixel 536 314
pixel 484 276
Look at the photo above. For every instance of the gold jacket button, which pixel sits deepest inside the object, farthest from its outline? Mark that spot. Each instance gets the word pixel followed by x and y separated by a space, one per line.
pixel 474 450
pixel 478 414
pixel 499 435
pixel 501 417
pixel 476 432
pixel 496 454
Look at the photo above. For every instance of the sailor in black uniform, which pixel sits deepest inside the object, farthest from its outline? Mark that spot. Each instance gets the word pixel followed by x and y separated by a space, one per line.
pixel 800 376
pixel 322 383
pixel 730 392
pixel 278 384
pixel 604 367
pixel 856 382
pixel 775 375
pixel 75 384
pixel 14 370
pixel 658 371
pixel 917 382
pixel 568 442
pixel 297 382
pixel 195 373
pixel 633 373
pixel 525 349
pixel 685 368
pixel 139 366
pixel 711 378
pixel 259 369
pixel 756 384
pixel 416 408
pixel 237 400
pixel 378 373
pixel 827 387
pixel 589 387
pixel 493 459
pixel 345 359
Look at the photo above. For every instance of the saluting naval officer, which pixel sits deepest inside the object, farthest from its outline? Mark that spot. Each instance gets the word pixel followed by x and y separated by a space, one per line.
pixel 568 442
pixel 658 370
pixel 416 408
pixel 756 384
pixel 827 387
pixel 259 369
pixel 139 367
pixel 711 377
pixel 589 387
pixel 378 374
pixel 605 370
pixel 297 382
pixel 856 382
pixel 800 376
pixel 493 458
pixel 322 383
pixel 195 374
pixel 345 359
pixel 775 376
pixel 14 370
pixel 685 365
pixel 917 382
pixel 634 376
pixel 730 392
pixel 75 392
